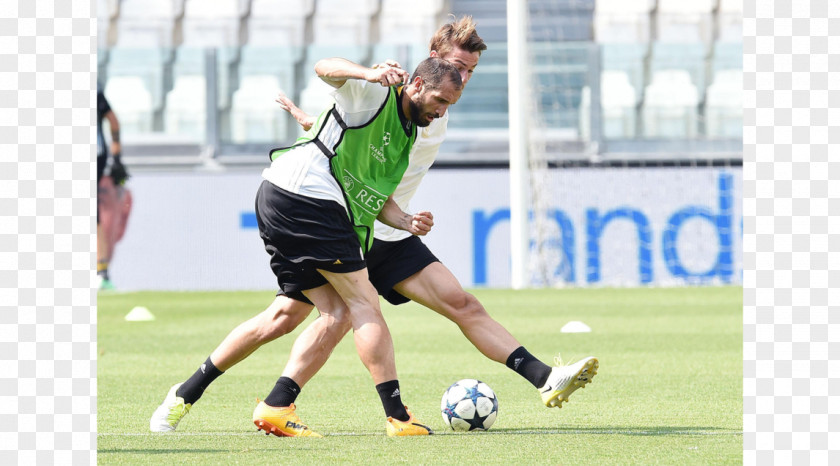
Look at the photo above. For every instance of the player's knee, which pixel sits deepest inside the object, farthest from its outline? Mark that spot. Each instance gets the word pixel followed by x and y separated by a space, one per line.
pixel 337 324
pixel 465 308
pixel 343 324
pixel 274 323
pixel 274 330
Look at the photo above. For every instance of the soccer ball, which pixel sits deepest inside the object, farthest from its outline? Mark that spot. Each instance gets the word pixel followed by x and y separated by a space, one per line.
pixel 469 404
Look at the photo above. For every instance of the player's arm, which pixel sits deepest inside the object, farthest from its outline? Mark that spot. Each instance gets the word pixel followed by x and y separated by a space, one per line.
pixel 114 125
pixel 393 216
pixel 336 71
pixel 115 170
pixel 304 119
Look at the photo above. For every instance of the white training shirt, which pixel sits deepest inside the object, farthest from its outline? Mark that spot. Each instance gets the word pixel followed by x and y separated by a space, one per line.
pixel 421 157
pixel 305 170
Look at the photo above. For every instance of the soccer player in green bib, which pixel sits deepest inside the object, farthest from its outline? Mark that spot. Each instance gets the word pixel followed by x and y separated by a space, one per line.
pixel 320 198
pixel 368 159
pixel 401 268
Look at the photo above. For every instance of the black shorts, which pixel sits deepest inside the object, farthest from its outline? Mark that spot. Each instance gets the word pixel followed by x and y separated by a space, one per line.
pixel 303 234
pixel 390 262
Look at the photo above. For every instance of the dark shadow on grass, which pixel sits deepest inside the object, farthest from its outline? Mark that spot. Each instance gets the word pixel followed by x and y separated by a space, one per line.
pixel 566 430
pixel 161 451
pixel 621 430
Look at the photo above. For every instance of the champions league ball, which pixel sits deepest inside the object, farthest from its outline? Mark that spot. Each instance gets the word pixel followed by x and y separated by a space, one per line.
pixel 469 404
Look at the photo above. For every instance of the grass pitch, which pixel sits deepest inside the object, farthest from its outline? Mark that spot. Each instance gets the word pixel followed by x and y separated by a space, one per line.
pixel 668 391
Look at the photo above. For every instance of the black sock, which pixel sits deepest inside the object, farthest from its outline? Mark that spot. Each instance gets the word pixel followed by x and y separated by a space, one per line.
pixel 285 393
pixel 526 365
pixel 389 393
pixel 194 387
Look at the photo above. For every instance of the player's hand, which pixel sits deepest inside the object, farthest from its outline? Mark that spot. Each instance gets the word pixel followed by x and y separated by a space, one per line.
pixel 387 63
pixel 118 171
pixel 421 223
pixel 305 121
pixel 283 100
pixel 387 76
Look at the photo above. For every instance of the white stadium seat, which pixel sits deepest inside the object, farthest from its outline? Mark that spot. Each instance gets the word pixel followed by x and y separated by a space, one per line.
pixel 316 96
pixel 670 107
pixel 279 23
pixel 724 112
pixel 490 17
pixel 727 56
pixel 344 22
pixel 186 108
pixel 618 107
pixel 255 116
pixel 623 20
pixel 105 34
pixel 730 20
pixel 689 56
pixel 149 23
pixel 107 12
pixel 409 23
pixel 108 9
pixel 145 64
pixel 685 21
pixel 214 23
pixel 132 103
pixel 626 57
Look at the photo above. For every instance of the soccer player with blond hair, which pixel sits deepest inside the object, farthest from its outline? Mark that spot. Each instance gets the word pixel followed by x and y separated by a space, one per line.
pixel 401 268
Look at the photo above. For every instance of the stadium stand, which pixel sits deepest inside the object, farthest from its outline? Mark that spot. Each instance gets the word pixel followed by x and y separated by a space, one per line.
pixel 730 20
pixel 149 23
pixel 623 20
pixel 488 14
pixel 724 104
pixel 274 23
pixel 618 102
pixel 485 105
pixel 156 55
pixel 186 109
pixel 397 27
pixel 107 12
pixel 561 20
pixel 215 23
pixel 149 68
pixel 136 104
pixel 682 21
pixel 688 57
pixel 273 68
pixel 628 58
pixel 670 106
pixel 255 115
pixel 346 22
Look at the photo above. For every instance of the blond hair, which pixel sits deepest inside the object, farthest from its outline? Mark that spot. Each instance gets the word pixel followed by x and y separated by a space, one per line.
pixel 459 33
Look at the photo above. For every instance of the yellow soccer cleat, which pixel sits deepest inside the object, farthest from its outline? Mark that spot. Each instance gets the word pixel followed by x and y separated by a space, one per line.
pixel 564 380
pixel 397 428
pixel 167 416
pixel 282 422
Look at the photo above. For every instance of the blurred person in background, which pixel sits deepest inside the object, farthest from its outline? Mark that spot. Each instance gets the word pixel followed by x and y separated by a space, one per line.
pixel 113 200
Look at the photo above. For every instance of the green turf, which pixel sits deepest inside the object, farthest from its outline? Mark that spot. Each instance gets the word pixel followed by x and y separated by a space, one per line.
pixel 668 389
